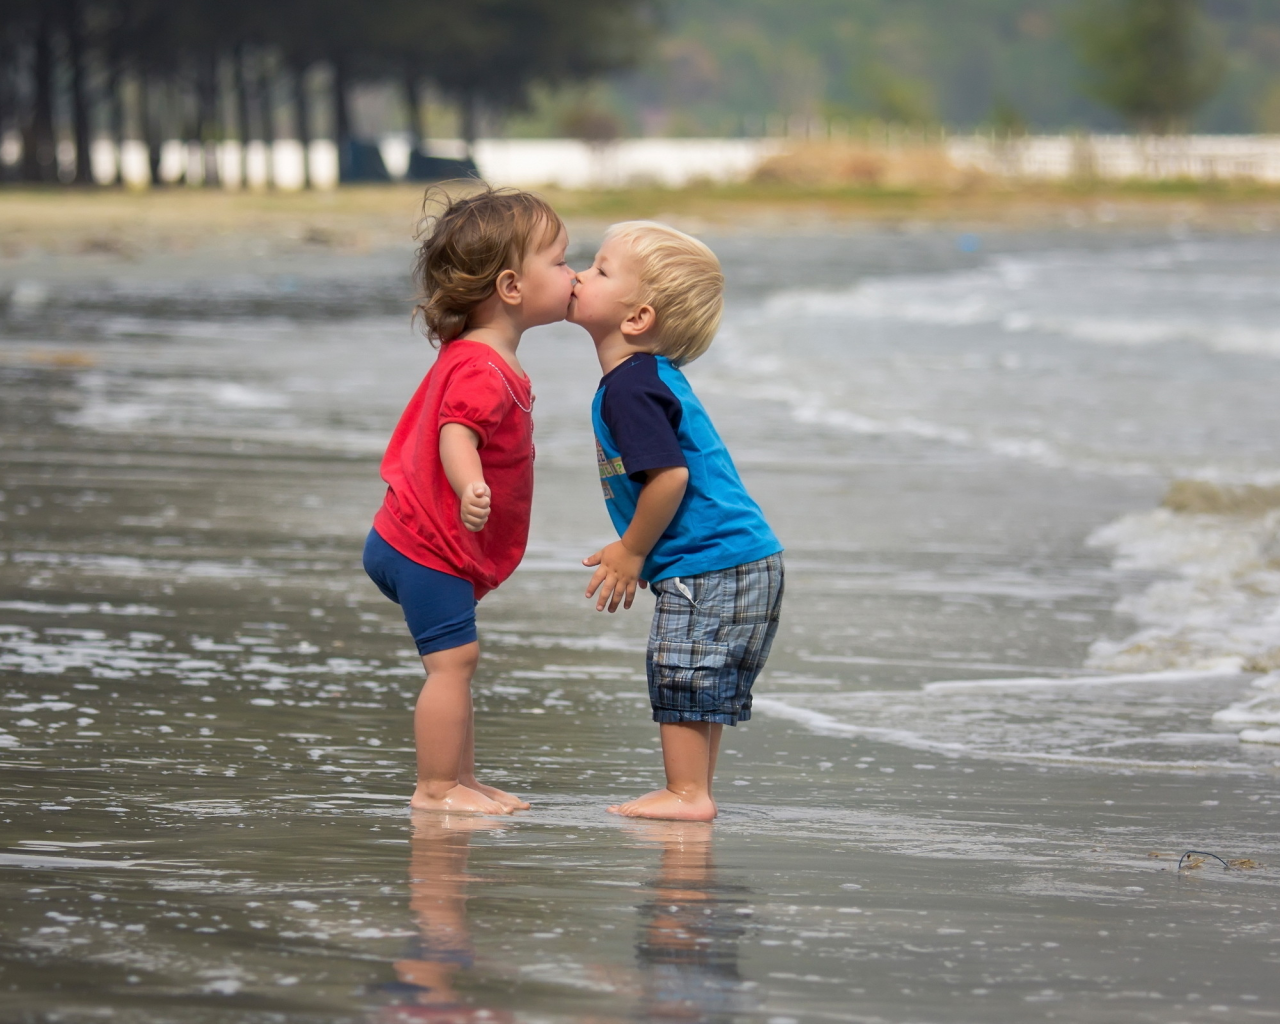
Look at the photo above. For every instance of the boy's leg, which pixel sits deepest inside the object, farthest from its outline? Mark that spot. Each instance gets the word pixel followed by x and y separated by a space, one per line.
pixel 687 757
pixel 713 753
pixel 441 721
pixel 467 774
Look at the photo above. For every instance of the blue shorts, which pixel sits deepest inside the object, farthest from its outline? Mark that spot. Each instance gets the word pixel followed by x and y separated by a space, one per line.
pixel 710 637
pixel 440 609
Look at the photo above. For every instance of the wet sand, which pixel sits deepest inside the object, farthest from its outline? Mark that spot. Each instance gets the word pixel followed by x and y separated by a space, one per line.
pixel 207 753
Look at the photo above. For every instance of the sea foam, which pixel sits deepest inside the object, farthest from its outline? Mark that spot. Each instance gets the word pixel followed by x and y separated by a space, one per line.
pixel 1217 601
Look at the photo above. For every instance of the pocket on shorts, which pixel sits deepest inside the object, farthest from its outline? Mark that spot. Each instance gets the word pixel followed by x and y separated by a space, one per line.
pixel 688 675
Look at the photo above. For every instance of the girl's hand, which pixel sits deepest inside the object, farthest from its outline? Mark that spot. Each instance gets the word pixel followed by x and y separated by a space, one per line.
pixel 474 506
pixel 617 576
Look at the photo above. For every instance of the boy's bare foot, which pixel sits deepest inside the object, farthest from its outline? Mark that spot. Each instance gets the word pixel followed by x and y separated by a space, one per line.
pixel 663 803
pixel 508 800
pixel 459 800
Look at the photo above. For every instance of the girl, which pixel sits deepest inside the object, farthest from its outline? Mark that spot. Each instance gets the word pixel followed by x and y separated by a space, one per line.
pixel 459 468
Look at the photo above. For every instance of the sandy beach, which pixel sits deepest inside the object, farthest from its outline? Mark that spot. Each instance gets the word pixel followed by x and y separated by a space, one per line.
pixel 359 219
pixel 1010 691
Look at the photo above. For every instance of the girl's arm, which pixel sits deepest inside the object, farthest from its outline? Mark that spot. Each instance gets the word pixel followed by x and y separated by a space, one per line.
pixel 620 563
pixel 460 456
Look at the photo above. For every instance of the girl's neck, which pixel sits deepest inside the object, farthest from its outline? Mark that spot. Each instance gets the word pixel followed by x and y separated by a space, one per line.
pixel 503 338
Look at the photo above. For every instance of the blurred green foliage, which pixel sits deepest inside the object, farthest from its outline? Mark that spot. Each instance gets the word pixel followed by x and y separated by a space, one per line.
pixel 1153 61
pixel 747 66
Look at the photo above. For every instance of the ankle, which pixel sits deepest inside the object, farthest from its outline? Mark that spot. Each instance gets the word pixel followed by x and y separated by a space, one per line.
pixel 437 789
pixel 690 792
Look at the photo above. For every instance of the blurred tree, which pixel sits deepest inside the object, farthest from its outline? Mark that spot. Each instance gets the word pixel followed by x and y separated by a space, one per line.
pixel 40 157
pixel 1007 121
pixel 174 55
pixel 590 123
pixel 15 20
pixel 902 99
pixel 500 52
pixel 1153 61
pixel 74 28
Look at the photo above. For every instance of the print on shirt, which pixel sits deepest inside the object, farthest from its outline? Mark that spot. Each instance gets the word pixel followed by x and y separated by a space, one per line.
pixel 608 467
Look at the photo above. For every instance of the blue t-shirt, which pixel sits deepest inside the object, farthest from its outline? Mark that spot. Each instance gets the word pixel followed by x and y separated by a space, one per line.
pixel 646 416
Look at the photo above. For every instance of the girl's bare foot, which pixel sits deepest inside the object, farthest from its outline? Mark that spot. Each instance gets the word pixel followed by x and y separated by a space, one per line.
pixel 508 800
pixel 663 803
pixel 458 800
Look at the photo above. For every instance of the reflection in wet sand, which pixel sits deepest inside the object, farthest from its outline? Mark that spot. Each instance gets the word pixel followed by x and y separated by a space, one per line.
pixel 440 846
pixel 687 949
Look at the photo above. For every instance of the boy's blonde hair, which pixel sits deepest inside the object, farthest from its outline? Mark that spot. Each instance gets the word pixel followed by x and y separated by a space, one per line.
pixel 681 279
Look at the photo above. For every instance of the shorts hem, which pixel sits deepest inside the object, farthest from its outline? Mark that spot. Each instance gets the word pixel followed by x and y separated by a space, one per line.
pixel 666 716
pixel 458 638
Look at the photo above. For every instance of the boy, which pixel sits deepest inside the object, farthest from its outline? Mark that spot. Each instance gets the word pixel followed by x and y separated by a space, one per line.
pixel 652 302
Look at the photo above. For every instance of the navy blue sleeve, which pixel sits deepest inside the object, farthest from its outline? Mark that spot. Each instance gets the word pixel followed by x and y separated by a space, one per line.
pixel 643 414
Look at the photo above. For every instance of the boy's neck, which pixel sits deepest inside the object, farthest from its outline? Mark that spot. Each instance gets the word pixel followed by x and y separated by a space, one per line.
pixel 616 348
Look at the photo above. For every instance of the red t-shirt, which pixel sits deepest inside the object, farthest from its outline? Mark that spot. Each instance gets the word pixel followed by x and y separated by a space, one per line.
pixel 473 385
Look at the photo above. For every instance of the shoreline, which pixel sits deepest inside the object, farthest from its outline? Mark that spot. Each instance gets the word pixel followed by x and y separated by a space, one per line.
pixel 126 225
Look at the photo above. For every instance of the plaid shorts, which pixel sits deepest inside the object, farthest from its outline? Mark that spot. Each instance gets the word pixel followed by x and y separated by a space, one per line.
pixel 710 637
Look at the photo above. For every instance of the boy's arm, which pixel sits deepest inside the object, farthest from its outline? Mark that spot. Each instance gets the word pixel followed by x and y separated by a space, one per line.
pixel 619 564
pixel 460 456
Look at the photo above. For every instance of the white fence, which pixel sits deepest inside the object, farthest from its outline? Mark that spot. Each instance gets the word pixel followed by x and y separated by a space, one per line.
pixel 283 164
pixel 1121 157
pixel 673 163
pixel 569 163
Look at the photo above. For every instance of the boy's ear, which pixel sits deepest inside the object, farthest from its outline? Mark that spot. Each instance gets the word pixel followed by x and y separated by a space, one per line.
pixel 640 321
pixel 507 287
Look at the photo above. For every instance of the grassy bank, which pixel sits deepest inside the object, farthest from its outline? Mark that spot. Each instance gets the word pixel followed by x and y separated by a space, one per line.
pixel 1205 202
pixel 124 224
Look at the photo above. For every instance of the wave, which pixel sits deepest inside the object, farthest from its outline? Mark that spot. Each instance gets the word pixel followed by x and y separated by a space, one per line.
pixel 1217 601
pixel 1162 721
pixel 1209 622
pixel 1260 710
pixel 1022 295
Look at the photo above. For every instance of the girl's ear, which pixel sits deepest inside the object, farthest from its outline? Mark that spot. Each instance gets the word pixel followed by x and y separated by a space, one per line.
pixel 507 287
pixel 641 320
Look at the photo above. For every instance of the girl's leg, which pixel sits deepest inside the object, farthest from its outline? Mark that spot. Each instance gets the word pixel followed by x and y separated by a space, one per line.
pixel 467 774
pixel 687 758
pixel 441 722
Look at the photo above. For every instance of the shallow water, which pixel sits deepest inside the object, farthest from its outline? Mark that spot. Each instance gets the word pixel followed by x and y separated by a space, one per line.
pixel 1004 682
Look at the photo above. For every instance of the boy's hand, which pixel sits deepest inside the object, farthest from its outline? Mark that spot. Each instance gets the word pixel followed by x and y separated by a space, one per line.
pixel 617 576
pixel 474 502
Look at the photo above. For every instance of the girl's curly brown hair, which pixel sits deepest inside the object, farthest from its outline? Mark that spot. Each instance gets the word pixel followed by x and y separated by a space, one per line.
pixel 468 243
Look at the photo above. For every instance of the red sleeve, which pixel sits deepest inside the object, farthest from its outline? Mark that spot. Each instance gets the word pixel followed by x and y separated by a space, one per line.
pixel 477 397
